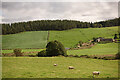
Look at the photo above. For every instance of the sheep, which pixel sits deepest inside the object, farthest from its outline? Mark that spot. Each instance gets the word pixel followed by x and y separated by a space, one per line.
pixel 71 67
pixel 96 73
pixel 55 64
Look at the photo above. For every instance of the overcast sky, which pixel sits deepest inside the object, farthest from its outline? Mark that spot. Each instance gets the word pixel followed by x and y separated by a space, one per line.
pixel 81 11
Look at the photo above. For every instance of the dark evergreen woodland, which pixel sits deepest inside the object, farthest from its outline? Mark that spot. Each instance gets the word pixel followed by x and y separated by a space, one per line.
pixel 59 25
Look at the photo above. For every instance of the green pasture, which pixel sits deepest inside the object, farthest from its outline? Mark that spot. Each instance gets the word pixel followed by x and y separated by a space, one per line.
pixel 98 49
pixel 32 39
pixel 23 50
pixel 71 37
pixel 38 39
pixel 40 67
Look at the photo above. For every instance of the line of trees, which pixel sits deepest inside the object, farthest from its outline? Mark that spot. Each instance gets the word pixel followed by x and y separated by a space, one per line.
pixel 109 23
pixel 41 25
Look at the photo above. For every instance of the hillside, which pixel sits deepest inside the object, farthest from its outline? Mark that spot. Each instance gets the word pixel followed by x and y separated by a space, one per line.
pixel 40 25
pixel 98 49
pixel 36 39
pixel 71 37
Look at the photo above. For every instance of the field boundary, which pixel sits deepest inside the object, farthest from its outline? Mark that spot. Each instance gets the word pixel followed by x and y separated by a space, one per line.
pixel 60 78
pixel 48 36
pixel 24 48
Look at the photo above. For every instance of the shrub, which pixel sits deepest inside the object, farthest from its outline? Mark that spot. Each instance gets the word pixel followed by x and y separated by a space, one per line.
pixel 32 55
pixel 76 56
pixel 115 36
pixel 95 57
pixel 80 42
pixel 55 48
pixel 104 42
pixel 94 39
pixel 42 53
pixel 117 56
pixel 108 58
pixel 18 52
pixel 66 56
pixel 85 56
pixel 99 58
pixel 70 56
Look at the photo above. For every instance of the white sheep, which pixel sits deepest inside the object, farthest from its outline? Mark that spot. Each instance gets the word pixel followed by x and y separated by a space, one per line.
pixel 55 64
pixel 71 67
pixel 96 73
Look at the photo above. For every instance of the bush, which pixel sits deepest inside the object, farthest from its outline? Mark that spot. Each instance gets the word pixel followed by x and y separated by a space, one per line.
pixel 76 56
pixel 109 58
pixel 117 56
pixel 80 42
pixel 95 57
pixel 18 52
pixel 99 58
pixel 85 56
pixel 55 48
pixel 104 42
pixel 32 55
pixel 70 56
pixel 42 53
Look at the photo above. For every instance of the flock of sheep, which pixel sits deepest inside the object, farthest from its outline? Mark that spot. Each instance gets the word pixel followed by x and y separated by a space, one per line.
pixel 70 67
pixel 94 72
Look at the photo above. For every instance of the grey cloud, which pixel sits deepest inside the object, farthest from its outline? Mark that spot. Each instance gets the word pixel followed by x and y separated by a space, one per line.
pixel 95 11
pixel 17 19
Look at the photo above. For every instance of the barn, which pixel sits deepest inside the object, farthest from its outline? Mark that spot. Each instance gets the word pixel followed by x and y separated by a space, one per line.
pixel 100 39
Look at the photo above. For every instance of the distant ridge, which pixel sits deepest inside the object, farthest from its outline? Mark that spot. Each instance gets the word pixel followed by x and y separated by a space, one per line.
pixel 45 25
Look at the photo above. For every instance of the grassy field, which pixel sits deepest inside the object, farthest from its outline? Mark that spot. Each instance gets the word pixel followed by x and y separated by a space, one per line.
pixel 35 67
pixel 71 37
pixel 98 49
pixel 36 39
pixel 42 67
pixel 23 50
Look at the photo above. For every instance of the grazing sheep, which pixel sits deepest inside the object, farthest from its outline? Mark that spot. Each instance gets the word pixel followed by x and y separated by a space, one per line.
pixel 96 73
pixel 71 67
pixel 55 64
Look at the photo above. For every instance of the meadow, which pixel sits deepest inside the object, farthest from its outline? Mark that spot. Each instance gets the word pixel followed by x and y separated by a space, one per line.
pixel 42 67
pixel 98 49
pixel 71 37
pixel 36 39
pixel 23 50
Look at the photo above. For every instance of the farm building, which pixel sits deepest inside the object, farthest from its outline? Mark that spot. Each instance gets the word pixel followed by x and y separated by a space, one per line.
pixel 83 44
pixel 100 39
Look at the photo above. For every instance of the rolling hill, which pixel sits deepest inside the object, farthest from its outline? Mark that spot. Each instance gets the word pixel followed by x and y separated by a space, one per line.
pixel 38 39
pixel 71 37
pixel 35 39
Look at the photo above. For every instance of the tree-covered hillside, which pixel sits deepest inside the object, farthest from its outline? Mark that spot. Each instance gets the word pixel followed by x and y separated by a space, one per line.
pixel 40 25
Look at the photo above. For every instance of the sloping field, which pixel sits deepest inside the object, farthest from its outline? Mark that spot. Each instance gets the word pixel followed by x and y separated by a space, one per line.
pixel 35 39
pixel 98 49
pixel 38 39
pixel 71 37
pixel 23 50
pixel 40 67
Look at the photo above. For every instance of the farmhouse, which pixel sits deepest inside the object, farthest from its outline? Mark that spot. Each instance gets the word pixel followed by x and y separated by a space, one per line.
pixel 100 39
pixel 83 44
